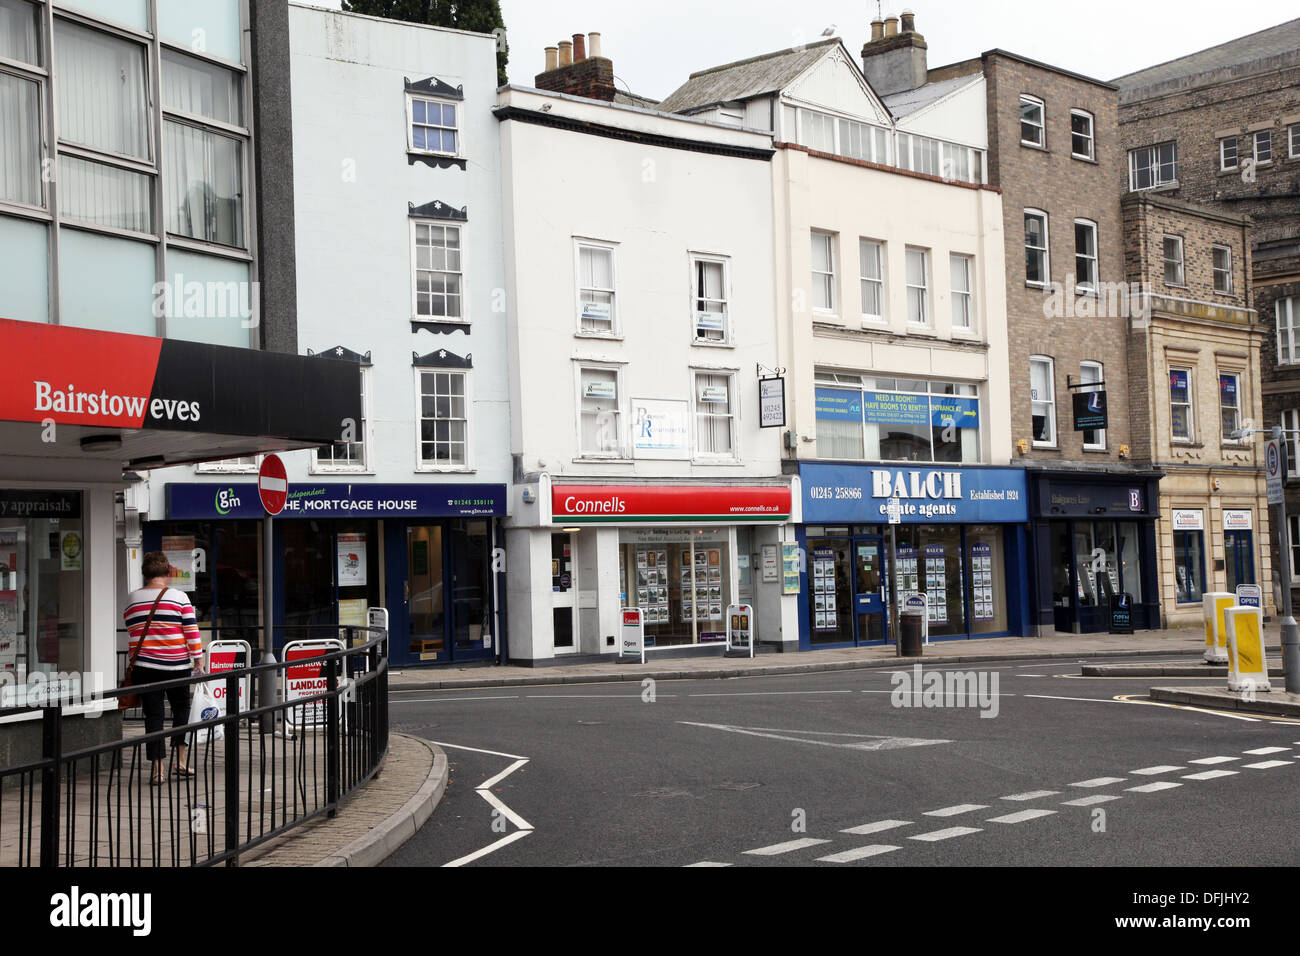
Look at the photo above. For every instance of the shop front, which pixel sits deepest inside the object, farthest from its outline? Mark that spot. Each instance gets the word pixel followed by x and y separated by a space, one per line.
pixel 1093 536
pixel 423 551
pixel 960 541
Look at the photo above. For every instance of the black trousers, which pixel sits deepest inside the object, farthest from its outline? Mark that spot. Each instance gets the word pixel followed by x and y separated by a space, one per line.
pixel 152 702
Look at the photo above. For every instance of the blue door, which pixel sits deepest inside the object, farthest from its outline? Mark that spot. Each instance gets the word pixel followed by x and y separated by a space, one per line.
pixel 869 589
pixel 1239 558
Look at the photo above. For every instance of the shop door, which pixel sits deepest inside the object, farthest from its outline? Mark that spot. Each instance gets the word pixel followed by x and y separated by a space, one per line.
pixel 869 589
pixel 424 595
pixel 564 589
pixel 1239 558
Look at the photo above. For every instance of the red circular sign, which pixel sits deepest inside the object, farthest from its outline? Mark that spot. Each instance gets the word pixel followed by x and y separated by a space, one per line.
pixel 272 484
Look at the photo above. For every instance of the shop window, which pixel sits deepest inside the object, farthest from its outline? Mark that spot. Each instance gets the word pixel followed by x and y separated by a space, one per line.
pixel 830 591
pixel 1181 423
pixel 711 314
pixel 471 555
pixel 1130 556
pixel 1189 566
pixel 988 586
pixel 1293 523
pixel 681 578
pixel 715 415
pixel 1091 373
pixel 1042 400
pixel 439 272
pixel 444 420
pixel 929 559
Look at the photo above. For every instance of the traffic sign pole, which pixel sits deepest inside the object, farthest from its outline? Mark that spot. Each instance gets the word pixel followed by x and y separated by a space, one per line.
pixel 273 489
pixel 1275 466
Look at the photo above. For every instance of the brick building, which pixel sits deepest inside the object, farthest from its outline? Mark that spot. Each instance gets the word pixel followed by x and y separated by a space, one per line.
pixel 1222 126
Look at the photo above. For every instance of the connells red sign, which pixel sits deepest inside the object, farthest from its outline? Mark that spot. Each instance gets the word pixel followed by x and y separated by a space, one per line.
pixel 609 504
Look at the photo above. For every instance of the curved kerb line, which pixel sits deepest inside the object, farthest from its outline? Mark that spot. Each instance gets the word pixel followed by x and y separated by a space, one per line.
pixel 484 790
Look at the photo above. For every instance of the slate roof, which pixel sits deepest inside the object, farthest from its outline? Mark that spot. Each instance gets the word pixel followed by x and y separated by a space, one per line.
pixel 1283 38
pixel 633 99
pixel 910 101
pixel 745 79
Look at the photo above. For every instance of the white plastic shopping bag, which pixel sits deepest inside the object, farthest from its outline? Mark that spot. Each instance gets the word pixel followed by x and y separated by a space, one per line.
pixel 204 707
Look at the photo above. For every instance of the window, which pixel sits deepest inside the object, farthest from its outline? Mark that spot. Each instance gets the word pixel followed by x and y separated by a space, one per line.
pixel 20 139
pixel 1288 325
pixel 956 162
pixel 925 155
pixel 433 126
pixel 596 298
pixel 438 272
pixel 1031 121
pixel 1091 374
pixel 1152 166
pixel 960 269
pixel 1293 522
pixel 1263 147
pixel 1189 562
pixel 1291 437
pixel 871 255
pixel 818 131
pixel 1172 252
pixel 861 141
pixel 1036 260
pixel 894 419
pixel 715 415
pixel 1180 404
pixel 709 298
pixel 1293 138
pixel 600 426
pixel 249 463
pixel 918 292
pixel 1229 404
pixel 444 421
pixel 101 91
pixel 348 455
pixel 1042 400
pixel 1085 255
pixel 1222 263
pixel 1081 142
pixel 1228 153
pixel 823 272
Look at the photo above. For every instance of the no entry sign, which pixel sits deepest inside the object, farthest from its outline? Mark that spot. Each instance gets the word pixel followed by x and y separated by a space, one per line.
pixel 273 484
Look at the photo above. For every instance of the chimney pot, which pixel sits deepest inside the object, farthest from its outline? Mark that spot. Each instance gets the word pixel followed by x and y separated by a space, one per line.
pixel 891 26
pixel 579 48
pixel 877 29
pixel 552 58
pixel 909 21
pixel 566 53
pixel 593 44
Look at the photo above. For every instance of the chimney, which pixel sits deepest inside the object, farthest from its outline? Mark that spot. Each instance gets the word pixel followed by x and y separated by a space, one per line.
pixel 895 62
pixel 579 69
pixel 877 29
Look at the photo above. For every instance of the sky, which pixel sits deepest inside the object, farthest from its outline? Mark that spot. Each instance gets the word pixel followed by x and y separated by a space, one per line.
pixel 656 46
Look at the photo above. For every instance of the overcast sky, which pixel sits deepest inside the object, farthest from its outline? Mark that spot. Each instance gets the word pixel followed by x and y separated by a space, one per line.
pixel 656 46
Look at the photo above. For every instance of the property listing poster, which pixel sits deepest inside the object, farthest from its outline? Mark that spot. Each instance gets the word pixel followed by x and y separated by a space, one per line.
pixel 981 569
pixel 352 560
pixel 936 583
pixel 825 605
pixel 179 550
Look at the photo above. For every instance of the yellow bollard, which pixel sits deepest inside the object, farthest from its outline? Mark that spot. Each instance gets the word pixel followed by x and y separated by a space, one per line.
pixel 1247 665
pixel 1214 603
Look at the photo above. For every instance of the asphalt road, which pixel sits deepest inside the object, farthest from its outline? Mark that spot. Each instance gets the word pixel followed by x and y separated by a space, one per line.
pixel 711 771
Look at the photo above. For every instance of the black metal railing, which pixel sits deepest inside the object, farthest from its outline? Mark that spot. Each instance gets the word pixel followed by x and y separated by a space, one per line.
pixel 275 767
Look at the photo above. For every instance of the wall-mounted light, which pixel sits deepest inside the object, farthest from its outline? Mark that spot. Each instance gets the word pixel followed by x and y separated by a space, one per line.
pixel 1215 483
pixel 1022 446
pixel 1123 451
pixel 528 496
pixel 570 530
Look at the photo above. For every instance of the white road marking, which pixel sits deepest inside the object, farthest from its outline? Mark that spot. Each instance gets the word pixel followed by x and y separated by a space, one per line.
pixel 1214 760
pixel 1266 764
pixel 488 784
pixel 508 838
pixel 1090 801
pixel 509 814
pixel 865 741
pixel 1152 771
pixel 1032 675
pixel 953 811
pixel 1089 700
pixel 705 863
pixel 438 700
pixel 1021 817
pixel 636 696
pixel 859 853
pixel 770 693
pixel 947 695
pixel 1154 787
pixel 494 753
pixel 788 847
pixel 936 835
pixel 1265 750
pixel 484 791
pixel 1032 795
pixel 877 826
pixel 1098 782
pixel 1209 774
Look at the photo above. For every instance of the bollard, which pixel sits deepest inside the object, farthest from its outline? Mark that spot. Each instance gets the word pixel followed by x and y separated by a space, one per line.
pixel 1214 604
pixel 1247 664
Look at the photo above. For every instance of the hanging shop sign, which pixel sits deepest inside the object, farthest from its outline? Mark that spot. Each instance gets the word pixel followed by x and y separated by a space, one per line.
pixel 660 428
pixel 861 493
pixel 195 501
pixel 771 402
pixel 592 504
pixel 1089 410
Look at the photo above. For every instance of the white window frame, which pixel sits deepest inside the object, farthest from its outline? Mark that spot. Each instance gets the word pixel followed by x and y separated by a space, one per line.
pixel 623 450
pixel 1293 141
pixel 1085 366
pixel 1046 250
pixel 615 327
pixel 831 243
pixel 410 125
pixel 1239 376
pixel 1156 181
pixel 1254 146
pixel 1223 153
pixel 1028 100
pixel 463 231
pixel 1294 539
pixel 1190 404
pixel 230 466
pixel 733 403
pixel 317 467
pixel 959 295
pixel 1290 425
pixel 927 320
pixel 1091 154
pixel 1215 271
pixel 725 337
pixel 1288 347
pixel 1049 401
pixel 420 464
pixel 1089 287
pixel 1181 260
pixel 880 248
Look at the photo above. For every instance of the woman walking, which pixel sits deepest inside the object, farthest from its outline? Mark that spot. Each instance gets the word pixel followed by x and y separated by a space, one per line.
pixel 164 645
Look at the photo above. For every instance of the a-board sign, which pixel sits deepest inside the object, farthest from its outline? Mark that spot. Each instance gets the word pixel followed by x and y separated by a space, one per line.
pixel 740 629
pixel 631 647
pixel 1250 595
pixel 229 656
pixel 307 680
pixel 1121 613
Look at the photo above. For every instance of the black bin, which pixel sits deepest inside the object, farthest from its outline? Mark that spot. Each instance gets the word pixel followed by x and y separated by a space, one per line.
pixel 909 634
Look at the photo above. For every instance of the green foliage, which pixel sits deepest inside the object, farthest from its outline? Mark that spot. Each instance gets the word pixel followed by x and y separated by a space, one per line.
pixel 477 16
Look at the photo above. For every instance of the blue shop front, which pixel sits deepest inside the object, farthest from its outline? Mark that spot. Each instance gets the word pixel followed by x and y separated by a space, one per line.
pixel 424 551
pixel 961 540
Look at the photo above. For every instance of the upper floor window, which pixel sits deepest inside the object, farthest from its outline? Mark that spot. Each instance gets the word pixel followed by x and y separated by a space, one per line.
pixel 919 154
pixel 433 126
pixel 1180 404
pixel 102 91
pixel 871 255
pixel 1288 330
pixel 962 300
pixel 1085 255
pixel 600 412
pixel 1151 166
pixel 819 131
pixel 1036 258
pixel 710 309
pixel 1091 374
pixel 1172 252
pixel 597 308
pixel 348 454
pixel 1293 138
pixel 1263 147
pixel 1222 263
pixel 1042 400
pixel 444 419
pixel 1031 121
pixel 438 272
pixel 1229 404
pixel 1228 153
pixel 1081 138
pixel 715 415
pixel 1291 437
pixel 918 286
pixel 823 272
pixel 244 465
pixel 862 141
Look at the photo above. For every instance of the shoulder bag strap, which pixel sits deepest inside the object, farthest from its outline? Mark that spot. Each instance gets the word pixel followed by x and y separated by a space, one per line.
pixel 147 624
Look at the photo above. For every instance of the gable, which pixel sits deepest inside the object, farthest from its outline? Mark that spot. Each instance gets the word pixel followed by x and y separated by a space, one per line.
pixel 835 83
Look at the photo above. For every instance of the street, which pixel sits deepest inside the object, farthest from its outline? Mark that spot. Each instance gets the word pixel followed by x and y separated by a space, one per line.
pixel 824 770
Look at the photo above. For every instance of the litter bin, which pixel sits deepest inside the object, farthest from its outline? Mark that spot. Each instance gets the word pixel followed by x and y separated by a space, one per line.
pixel 911 623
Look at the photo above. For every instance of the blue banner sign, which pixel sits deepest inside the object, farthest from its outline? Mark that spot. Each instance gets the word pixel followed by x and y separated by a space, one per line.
pixel 839 405
pixel 928 494
pixel 194 501
pixel 896 408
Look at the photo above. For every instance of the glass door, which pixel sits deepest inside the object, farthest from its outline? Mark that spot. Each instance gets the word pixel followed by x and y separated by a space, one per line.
pixel 1239 560
pixel 564 588
pixel 869 589
pixel 425 600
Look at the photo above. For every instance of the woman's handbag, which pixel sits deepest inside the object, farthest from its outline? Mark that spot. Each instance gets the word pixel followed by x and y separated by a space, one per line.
pixel 127 701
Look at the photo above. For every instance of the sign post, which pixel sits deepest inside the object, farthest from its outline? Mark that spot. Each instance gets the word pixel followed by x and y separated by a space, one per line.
pixel 740 630
pixel 1275 467
pixel 273 489
pixel 631 648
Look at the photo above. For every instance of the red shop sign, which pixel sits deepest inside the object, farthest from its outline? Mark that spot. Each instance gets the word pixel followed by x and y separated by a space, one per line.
pixel 578 504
